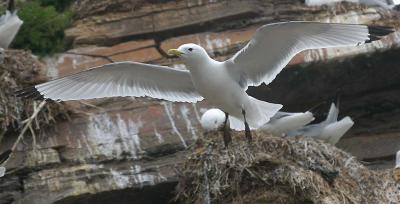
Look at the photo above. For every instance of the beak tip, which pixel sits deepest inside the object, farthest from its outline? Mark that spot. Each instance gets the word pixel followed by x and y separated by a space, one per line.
pixel 174 52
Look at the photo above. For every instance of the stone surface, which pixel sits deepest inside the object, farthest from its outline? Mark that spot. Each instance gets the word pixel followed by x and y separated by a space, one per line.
pixel 150 20
pixel 80 59
pixel 126 149
pixel 114 147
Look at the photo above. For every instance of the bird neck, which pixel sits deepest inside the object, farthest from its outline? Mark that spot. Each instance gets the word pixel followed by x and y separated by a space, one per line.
pixel 200 63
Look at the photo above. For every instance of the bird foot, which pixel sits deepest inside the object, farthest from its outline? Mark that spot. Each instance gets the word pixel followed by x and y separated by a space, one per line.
pixel 248 133
pixel 227 136
pixel 227 131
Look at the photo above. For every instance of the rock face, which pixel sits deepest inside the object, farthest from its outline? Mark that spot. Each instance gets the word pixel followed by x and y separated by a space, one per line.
pixel 141 18
pixel 126 149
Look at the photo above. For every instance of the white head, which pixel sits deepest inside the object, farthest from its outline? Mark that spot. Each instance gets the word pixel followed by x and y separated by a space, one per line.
pixel 190 53
pixel 212 119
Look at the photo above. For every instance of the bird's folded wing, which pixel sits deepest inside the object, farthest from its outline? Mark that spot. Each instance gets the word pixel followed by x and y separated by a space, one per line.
pixel 281 114
pixel 119 79
pixel 274 45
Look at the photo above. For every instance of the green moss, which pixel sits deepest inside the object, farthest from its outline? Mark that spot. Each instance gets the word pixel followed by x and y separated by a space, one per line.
pixel 59 5
pixel 43 28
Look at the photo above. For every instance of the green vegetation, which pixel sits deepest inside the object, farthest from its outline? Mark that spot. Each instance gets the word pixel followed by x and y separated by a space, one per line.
pixel 59 5
pixel 44 25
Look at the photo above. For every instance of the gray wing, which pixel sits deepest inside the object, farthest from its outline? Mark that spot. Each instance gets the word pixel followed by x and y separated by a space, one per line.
pixel 119 79
pixel 274 45
pixel 307 131
pixel 315 130
pixel 281 114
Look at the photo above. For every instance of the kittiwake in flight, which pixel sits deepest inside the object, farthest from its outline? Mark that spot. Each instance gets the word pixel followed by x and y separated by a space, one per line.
pixel 9 25
pixel 222 84
pixel 329 130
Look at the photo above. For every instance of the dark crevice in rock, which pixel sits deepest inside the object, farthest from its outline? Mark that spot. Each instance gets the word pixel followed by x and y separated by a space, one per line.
pixel 163 150
pixel 161 193
pixel 383 158
pixel 180 31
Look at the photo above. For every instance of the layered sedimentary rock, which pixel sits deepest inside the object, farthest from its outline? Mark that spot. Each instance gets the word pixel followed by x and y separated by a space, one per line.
pixel 127 149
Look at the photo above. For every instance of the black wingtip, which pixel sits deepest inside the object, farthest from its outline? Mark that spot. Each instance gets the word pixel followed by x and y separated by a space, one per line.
pixel 377 32
pixel 4 156
pixel 11 6
pixel 29 92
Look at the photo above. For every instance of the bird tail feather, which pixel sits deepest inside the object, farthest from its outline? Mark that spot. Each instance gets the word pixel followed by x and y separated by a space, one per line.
pixel 258 113
pixel 333 132
pixel 332 114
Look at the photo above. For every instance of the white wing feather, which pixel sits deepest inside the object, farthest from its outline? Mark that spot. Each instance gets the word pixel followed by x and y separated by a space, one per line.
pixel 274 45
pixel 122 79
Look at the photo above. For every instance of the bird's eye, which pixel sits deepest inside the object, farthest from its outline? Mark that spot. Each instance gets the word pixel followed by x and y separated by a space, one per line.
pixel 190 49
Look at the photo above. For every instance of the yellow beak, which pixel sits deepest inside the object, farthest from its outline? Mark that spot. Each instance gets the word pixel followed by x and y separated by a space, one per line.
pixel 175 52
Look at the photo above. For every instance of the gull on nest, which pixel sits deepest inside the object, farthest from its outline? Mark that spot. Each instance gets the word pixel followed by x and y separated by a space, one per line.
pixel 222 84
pixel 329 130
pixel 9 25
pixel 281 123
pixel 387 4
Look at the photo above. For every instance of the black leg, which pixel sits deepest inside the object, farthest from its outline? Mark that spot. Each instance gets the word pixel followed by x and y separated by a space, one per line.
pixel 227 131
pixel 246 127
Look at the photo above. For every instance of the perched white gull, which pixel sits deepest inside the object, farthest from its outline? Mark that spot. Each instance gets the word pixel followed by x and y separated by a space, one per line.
pixel 397 160
pixel 330 130
pixel 9 25
pixel 387 4
pixel 283 122
pixel 222 84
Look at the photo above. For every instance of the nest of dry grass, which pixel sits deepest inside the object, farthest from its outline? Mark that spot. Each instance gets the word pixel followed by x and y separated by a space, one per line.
pixel 279 170
pixel 20 69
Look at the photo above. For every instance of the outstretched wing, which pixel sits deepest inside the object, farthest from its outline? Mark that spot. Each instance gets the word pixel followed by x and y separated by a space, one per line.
pixel 274 45
pixel 119 79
